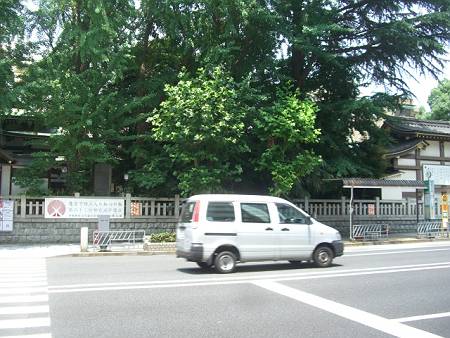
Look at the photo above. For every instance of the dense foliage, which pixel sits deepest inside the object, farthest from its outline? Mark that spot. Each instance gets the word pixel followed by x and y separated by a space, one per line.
pixel 195 96
pixel 439 101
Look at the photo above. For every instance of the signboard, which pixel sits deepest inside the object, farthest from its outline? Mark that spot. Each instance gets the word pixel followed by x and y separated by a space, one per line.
pixel 6 215
pixel 444 210
pixel 440 174
pixel 84 207
pixel 136 209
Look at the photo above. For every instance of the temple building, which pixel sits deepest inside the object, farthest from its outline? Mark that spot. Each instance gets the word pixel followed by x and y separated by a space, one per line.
pixel 420 151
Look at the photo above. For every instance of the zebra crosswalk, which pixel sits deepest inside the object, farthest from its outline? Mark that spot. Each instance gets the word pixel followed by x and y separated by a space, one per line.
pixel 24 309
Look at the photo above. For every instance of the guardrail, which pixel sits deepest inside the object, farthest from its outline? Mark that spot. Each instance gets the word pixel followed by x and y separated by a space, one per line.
pixel 370 232
pixel 431 229
pixel 104 240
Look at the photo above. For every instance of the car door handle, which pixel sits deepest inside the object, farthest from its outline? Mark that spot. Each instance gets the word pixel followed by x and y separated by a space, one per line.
pixel 269 229
pixel 285 229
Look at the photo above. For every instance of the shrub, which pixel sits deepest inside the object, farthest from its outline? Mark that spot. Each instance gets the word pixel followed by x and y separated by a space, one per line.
pixel 163 237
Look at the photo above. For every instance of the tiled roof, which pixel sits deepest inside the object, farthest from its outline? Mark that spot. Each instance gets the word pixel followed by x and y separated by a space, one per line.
pixel 403 147
pixel 373 182
pixel 415 126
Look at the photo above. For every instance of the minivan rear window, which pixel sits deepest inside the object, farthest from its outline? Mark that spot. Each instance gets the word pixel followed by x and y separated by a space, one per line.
pixel 255 213
pixel 188 211
pixel 220 212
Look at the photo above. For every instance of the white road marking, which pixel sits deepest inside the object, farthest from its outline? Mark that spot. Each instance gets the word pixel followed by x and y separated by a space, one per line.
pixel 415 318
pixel 22 290
pixel 39 335
pixel 251 277
pixel 16 310
pixel 24 284
pixel 392 252
pixel 19 279
pixel 248 279
pixel 347 312
pixel 24 299
pixel 24 293
pixel 24 323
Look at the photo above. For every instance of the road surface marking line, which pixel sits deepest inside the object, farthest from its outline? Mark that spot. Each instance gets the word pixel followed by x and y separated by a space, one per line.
pixel 24 299
pixel 414 318
pixel 24 290
pixel 38 335
pixel 236 281
pixel 16 310
pixel 246 278
pixel 24 323
pixel 23 279
pixel 391 252
pixel 24 284
pixel 347 312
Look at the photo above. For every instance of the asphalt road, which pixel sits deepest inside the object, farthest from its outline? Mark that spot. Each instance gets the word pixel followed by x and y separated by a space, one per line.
pixel 376 291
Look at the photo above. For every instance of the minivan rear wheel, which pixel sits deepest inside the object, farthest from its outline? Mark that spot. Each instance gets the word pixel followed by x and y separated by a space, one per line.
pixel 323 256
pixel 225 262
pixel 204 265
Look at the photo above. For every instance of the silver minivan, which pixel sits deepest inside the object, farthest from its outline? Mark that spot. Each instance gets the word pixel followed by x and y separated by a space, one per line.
pixel 222 230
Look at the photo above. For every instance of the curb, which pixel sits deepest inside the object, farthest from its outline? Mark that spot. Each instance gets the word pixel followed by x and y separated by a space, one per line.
pixel 395 241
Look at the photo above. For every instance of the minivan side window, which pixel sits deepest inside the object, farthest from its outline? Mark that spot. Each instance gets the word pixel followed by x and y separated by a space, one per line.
pixel 289 214
pixel 220 212
pixel 188 211
pixel 255 213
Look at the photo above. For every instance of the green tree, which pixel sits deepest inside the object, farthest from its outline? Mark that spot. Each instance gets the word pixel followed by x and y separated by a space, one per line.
pixel 201 125
pixel 12 50
pixel 333 47
pixel 74 87
pixel 288 129
pixel 439 101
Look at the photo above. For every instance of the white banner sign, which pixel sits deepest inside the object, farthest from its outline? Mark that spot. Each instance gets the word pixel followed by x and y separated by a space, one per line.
pixel 439 174
pixel 83 207
pixel 6 215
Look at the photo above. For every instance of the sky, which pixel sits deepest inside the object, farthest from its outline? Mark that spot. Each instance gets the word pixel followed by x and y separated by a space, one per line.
pixel 421 86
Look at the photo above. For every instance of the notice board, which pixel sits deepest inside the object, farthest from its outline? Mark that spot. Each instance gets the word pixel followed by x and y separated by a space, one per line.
pixel 6 215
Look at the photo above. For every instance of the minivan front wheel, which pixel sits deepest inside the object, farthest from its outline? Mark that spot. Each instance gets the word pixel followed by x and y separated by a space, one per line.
pixel 323 256
pixel 225 262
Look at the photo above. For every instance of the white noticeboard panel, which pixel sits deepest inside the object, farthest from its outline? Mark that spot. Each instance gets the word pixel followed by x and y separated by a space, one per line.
pixel 6 215
pixel 439 174
pixel 84 207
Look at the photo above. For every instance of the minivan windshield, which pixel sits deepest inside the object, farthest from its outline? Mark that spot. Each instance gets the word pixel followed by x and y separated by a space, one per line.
pixel 188 211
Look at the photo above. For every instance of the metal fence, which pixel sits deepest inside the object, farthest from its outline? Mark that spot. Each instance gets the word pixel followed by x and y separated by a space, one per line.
pixel 431 229
pixel 370 232
pixel 104 240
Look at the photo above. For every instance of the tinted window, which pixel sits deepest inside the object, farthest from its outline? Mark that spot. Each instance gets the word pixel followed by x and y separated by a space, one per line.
pixel 220 212
pixel 255 213
pixel 289 214
pixel 188 211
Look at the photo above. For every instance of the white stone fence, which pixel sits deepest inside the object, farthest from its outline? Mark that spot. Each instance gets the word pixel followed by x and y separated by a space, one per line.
pixel 169 207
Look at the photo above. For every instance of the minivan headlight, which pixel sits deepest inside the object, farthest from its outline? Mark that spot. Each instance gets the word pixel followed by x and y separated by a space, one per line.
pixel 338 235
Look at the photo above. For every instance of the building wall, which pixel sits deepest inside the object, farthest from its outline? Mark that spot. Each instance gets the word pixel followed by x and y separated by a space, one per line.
pixel 431 150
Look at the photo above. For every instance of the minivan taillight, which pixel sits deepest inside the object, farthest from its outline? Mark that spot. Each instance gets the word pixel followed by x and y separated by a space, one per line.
pixel 196 213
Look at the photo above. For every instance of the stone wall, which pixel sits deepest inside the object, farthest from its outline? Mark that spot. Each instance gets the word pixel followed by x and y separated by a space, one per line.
pixel 43 231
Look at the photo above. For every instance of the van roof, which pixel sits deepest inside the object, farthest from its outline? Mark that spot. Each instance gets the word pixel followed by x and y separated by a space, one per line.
pixel 235 197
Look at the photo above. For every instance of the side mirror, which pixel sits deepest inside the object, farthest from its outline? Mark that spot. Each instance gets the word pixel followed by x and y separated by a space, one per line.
pixel 308 220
